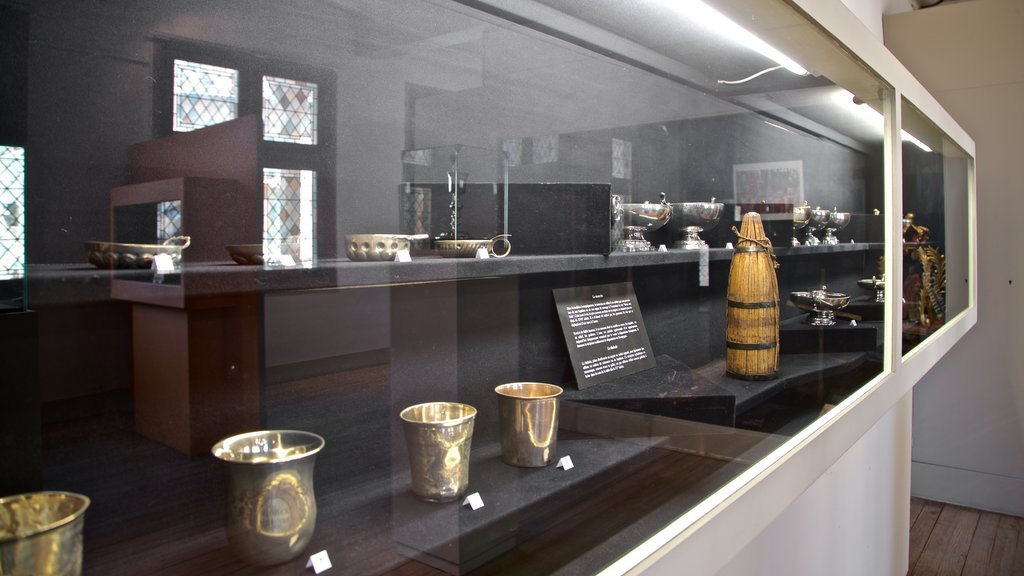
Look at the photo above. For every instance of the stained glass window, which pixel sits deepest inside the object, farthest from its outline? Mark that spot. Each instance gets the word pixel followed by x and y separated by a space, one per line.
pixel 12 212
pixel 622 158
pixel 289 212
pixel 204 95
pixel 289 110
pixel 168 220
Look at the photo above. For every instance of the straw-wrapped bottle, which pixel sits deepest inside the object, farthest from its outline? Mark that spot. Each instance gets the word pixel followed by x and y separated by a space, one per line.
pixel 752 314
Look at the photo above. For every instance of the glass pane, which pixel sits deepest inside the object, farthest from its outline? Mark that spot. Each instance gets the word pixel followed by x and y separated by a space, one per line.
pixel 649 170
pixel 289 213
pixel 204 95
pixel 289 110
pixel 935 232
pixel 12 216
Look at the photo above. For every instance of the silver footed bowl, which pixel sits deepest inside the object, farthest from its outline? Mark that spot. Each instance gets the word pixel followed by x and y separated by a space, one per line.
pixel 874 286
pixel 649 215
pixel 637 219
pixel 836 222
pixel 817 221
pixel 693 218
pixel 801 215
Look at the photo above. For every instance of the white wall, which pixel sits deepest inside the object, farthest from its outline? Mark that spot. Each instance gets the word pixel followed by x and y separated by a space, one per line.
pixel 842 524
pixel 969 410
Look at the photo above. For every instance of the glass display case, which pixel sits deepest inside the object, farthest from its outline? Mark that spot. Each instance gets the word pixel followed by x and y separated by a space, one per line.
pixel 527 281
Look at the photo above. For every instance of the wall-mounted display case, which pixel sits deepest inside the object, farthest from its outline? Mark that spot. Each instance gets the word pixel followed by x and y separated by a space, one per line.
pixel 663 231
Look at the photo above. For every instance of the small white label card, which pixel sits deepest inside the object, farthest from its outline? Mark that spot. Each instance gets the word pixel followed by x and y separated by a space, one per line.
pixel 662 248
pixel 565 463
pixel 481 253
pixel 474 501
pixel 403 256
pixel 729 245
pixel 319 562
pixel 163 263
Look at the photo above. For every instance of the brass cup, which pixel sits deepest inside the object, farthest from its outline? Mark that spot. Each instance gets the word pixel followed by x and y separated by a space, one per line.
pixel 271 507
pixel 41 533
pixel 528 417
pixel 438 436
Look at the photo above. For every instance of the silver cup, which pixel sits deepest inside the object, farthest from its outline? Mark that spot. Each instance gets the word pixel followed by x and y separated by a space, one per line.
pixel 271 507
pixel 438 436
pixel 528 417
pixel 41 533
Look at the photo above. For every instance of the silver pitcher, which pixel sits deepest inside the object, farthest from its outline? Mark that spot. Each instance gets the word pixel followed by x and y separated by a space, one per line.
pixel 41 534
pixel 528 418
pixel 271 507
pixel 439 436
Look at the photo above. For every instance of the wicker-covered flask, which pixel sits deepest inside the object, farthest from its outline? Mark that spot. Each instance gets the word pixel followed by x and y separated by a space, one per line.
pixel 752 313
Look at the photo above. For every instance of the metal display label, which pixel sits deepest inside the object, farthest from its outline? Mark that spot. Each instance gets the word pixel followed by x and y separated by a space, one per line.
pixel 604 332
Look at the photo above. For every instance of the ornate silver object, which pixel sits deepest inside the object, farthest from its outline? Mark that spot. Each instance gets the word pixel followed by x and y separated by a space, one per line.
pixel 875 286
pixel 823 305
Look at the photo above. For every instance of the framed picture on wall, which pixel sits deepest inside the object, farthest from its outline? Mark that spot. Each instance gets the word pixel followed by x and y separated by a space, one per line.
pixel 771 189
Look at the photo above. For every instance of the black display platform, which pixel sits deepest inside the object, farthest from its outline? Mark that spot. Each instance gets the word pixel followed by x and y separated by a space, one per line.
pixel 457 539
pixel 867 309
pixel 798 337
pixel 669 389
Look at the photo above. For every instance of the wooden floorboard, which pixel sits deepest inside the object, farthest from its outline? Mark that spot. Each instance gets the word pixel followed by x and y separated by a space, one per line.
pixel 949 540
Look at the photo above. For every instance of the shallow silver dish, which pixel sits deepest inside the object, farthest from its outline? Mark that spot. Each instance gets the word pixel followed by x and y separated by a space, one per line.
pixel 377 247
pixel 120 256
pixel 469 248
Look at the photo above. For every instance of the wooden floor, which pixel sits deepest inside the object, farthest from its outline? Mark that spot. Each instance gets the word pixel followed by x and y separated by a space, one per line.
pixel 952 540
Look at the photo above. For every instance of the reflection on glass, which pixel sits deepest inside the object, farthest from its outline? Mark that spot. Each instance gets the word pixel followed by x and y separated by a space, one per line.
pixel 204 95
pixel 459 124
pixel 12 212
pixel 289 215
pixel 935 249
pixel 289 110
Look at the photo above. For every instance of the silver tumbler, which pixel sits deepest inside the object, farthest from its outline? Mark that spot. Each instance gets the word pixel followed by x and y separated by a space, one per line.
pixel 271 507
pixel 528 417
pixel 438 436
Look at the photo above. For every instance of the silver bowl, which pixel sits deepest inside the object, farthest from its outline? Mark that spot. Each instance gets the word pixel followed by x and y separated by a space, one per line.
pixel 115 255
pixel 822 303
pixel 637 219
pixel 693 218
pixel 378 247
pixel 468 248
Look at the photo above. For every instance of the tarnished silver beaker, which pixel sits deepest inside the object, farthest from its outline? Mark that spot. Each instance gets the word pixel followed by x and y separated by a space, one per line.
pixel 528 417
pixel 438 436
pixel 271 507
pixel 41 534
